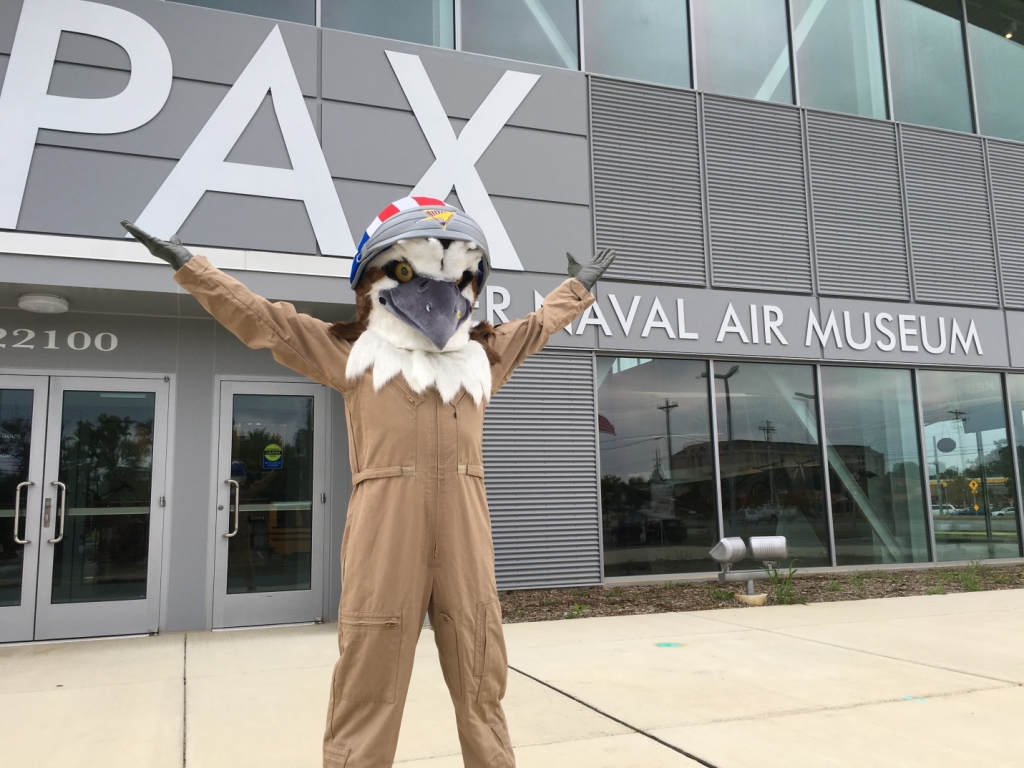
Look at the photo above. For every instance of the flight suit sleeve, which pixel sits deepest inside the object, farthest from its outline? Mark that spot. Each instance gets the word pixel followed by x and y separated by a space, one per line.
pixel 517 340
pixel 297 341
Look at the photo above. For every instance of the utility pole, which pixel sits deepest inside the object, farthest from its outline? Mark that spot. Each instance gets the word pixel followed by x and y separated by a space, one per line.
pixel 769 430
pixel 731 469
pixel 667 408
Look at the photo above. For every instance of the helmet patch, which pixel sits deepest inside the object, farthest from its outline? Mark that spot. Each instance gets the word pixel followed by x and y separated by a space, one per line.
pixel 442 218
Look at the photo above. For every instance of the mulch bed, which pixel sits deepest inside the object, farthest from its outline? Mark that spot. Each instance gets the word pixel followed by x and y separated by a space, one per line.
pixel 551 604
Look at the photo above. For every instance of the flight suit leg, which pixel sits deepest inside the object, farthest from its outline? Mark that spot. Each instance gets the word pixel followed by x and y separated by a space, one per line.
pixel 466 616
pixel 386 585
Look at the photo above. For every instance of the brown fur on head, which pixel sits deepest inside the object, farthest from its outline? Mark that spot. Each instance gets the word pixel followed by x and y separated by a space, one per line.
pixel 350 330
pixel 483 334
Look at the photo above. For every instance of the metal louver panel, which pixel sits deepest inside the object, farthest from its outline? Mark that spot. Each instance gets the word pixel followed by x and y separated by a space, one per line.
pixel 757 197
pixel 950 225
pixel 859 235
pixel 647 188
pixel 1006 170
pixel 540 455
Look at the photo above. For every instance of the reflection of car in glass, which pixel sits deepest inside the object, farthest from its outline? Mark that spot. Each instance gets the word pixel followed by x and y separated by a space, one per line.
pixel 943 509
pixel 762 514
pixel 644 526
pixel 1005 512
pixel 768 513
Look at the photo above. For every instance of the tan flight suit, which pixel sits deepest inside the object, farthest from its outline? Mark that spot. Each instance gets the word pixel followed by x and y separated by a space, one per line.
pixel 418 534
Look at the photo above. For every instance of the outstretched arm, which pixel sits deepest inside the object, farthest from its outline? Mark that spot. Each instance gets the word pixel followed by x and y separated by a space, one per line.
pixel 517 340
pixel 297 341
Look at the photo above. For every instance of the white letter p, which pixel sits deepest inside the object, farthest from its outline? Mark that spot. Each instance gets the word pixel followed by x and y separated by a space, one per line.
pixel 25 106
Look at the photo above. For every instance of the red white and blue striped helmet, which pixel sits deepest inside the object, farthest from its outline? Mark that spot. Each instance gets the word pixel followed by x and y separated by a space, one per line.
pixel 413 217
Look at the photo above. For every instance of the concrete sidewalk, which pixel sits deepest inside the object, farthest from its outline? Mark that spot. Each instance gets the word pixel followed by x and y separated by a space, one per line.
pixel 917 681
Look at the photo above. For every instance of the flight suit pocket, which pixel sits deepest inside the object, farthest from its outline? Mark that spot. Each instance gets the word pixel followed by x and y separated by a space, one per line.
pixel 447 637
pixel 469 424
pixel 375 421
pixel 490 665
pixel 368 669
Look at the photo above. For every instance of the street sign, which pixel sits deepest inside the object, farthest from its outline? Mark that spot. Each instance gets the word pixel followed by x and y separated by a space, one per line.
pixel 974 486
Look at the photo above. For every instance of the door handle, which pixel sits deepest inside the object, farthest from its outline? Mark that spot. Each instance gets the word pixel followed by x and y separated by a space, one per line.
pixel 61 510
pixel 17 511
pixel 231 533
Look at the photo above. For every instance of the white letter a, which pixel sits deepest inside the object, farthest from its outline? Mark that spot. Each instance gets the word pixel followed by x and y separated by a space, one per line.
pixel 203 166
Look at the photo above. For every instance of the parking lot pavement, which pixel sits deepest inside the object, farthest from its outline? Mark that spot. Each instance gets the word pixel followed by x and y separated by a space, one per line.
pixel 929 681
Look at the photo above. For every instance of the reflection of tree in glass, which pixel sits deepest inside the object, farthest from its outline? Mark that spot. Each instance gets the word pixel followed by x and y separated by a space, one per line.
pixel 293 482
pixel 995 470
pixel 106 461
pixel 15 439
pixel 257 483
pixel 620 495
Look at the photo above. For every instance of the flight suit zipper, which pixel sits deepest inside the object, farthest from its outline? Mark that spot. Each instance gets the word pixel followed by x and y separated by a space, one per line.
pixel 438 499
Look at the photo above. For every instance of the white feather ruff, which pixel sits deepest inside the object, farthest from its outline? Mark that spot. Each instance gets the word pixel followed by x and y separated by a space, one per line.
pixel 390 346
pixel 466 367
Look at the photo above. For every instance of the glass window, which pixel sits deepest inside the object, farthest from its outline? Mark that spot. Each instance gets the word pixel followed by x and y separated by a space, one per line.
pixel 878 510
pixel 639 39
pixel 1015 389
pixel 996 35
pixel 15 450
pixel 839 56
pixel 106 463
pixel 430 22
pixel 272 462
pixel 925 46
pixel 770 457
pixel 302 11
pixel 657 466
pixel 541 31
pixel 742 48
pixel 970 469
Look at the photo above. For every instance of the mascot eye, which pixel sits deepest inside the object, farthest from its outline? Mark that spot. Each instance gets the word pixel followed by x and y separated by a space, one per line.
pixel 467 278
pixel 403 272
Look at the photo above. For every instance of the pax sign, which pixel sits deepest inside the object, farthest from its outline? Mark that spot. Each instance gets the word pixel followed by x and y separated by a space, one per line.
pixel 26 107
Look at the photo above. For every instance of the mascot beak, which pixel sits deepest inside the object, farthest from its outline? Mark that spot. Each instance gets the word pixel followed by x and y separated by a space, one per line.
pixel 436 308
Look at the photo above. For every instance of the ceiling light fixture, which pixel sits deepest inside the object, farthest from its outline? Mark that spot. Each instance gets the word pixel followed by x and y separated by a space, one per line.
pixel 43 303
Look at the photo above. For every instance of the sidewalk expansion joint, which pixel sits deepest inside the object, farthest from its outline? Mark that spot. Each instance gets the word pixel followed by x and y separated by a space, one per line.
pixel 623 723
pixel 184 702
pixel 927 665
pixel 848 707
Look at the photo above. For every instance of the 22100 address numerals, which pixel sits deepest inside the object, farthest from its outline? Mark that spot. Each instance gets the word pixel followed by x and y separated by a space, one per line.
pixel 79 341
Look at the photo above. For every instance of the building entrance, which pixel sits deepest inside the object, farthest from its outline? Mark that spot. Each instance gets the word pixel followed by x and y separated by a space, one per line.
pixel 270 504
pixel 82 472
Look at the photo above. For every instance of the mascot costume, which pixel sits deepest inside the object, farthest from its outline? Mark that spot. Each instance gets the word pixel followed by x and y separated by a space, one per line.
pixel 416 374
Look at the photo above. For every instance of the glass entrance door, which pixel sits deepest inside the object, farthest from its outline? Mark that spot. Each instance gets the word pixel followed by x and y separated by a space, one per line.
pixel 102 508
pixel 22 430
pixel 270 504
pixel 82 462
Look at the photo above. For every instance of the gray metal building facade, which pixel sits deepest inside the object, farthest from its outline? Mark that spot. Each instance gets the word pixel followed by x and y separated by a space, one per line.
pixel 749 233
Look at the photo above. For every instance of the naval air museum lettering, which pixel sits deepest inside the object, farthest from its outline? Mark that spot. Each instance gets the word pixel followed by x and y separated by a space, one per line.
pixel 26 107
pixel 700 321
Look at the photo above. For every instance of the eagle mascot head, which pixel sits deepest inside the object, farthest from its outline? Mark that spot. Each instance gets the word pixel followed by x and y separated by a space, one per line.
pixel 419 268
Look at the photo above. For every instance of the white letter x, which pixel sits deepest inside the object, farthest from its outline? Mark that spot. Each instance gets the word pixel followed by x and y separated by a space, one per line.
pixel 455 158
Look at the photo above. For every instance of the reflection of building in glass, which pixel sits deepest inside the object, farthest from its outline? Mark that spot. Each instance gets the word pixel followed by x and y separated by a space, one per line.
pixel 656 507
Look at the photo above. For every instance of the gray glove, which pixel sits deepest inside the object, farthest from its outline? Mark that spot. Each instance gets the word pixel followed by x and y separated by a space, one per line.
pixel 173 252
pixel 590 273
